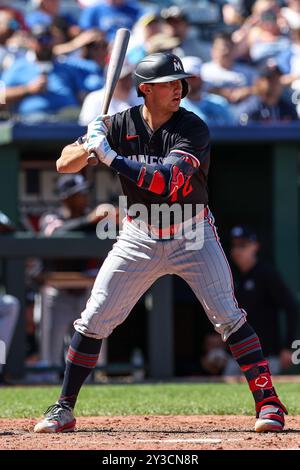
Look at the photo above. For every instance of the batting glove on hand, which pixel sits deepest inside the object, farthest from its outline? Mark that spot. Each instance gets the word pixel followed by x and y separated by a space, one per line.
pixel 99 144
pixel 99 125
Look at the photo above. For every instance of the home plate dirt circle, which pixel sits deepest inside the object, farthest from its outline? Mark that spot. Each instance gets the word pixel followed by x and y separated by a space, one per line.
pixel 152 433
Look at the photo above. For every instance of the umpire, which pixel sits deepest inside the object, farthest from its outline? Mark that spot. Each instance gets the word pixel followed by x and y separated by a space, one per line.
pixel 261 291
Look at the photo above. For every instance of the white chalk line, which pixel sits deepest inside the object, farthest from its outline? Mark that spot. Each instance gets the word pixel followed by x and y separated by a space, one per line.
pixel 200 441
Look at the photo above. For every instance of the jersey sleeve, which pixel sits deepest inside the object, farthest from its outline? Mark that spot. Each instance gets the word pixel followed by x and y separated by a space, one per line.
pixel 193 140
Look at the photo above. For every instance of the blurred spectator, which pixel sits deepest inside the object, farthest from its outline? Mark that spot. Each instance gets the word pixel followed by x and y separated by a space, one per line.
pixel 289 63
pixel 60 31
pixel 9 312
pixel 214 357
pixel 32 340
pixel 144 29
pixel 161 42
pixel 8 26
pixel 18 45
pixel 17 15
pixel 232 17
pixel 234 14
pixel 61 304
pixel 268 102
pixel 9 305
pixel 84 45
pixel 264 34
pixel 175 24
pixel 110 15
pixel 289 59
pixel 291 13
pixel 46 11
pixel 124 97
pixel 262 293
pixel 223 75
pixel 90 60
pixel 39 84
pixel 213 109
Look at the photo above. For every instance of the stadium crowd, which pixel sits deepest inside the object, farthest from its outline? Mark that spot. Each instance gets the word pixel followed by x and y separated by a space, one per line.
pixel 244 56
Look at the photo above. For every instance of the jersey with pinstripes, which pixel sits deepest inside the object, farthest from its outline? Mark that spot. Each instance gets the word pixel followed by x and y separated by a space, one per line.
pixel 137 259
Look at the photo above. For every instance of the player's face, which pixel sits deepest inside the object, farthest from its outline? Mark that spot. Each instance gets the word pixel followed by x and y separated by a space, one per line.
pixel 167 96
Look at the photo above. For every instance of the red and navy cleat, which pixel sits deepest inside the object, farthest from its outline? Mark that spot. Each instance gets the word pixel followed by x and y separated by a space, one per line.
pixel 271 417
pixel 57 418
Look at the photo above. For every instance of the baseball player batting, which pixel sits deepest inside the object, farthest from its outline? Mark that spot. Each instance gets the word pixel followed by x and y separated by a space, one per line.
pixel 162 153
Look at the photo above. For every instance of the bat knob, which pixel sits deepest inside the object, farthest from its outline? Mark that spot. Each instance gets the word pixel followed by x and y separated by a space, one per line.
pixel 93 160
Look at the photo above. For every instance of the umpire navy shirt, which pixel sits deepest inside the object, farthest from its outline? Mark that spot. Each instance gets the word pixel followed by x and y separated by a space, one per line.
pixel 262 293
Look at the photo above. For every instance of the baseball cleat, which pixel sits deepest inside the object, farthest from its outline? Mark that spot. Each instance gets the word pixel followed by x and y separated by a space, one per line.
pixel 270 419
pixel 57 418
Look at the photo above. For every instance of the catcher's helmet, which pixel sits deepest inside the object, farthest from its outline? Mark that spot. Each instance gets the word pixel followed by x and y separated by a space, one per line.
pixel 160 68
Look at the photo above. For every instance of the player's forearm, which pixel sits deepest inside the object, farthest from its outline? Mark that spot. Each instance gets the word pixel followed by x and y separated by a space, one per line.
pixel 135 171
pixel 158 179
pixel 73 158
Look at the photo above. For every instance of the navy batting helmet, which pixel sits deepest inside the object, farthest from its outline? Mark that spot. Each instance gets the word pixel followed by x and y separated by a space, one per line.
pixel 161 67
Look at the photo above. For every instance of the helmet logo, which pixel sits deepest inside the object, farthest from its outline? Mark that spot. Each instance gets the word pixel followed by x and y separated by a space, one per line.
pixel 177 65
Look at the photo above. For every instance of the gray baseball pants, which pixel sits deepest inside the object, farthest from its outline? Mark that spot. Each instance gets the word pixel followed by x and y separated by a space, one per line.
pixel 137 260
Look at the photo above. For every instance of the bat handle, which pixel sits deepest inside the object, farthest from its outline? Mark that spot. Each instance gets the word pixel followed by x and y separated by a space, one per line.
pixel 92 159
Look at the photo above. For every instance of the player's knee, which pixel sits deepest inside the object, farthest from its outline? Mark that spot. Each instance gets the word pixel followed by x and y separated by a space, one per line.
pixel 91 331
pixel 228 328
pixel 97 301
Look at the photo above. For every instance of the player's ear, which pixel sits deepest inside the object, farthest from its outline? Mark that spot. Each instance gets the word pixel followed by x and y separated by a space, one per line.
pixel 145 88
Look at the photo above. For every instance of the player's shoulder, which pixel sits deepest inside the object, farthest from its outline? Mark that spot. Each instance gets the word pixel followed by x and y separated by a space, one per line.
pixel 126 115
pixel 190 117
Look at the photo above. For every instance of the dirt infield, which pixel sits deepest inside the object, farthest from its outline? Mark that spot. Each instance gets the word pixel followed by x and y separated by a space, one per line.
pixel 152 432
